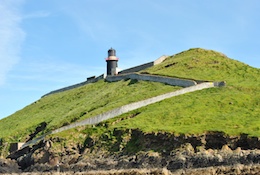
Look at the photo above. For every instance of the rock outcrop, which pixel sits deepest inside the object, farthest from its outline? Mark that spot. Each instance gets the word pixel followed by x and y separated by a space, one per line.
pixel 8 166
pixel 144 151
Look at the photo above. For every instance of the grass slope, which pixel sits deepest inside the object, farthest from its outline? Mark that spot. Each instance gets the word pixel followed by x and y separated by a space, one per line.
pixel 64 108
pixel 233 109
pixel 201 64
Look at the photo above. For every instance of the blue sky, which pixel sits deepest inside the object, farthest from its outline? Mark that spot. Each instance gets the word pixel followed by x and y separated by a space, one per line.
pixel 46 45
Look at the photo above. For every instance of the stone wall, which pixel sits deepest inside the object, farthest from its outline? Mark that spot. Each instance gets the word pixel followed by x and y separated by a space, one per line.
pixel 91 80
pixel 154 78
pixel 143 66
pixel 160 59
pixel 137 68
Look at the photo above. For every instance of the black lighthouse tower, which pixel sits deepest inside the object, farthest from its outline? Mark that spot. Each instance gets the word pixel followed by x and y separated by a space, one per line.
pixel 112 62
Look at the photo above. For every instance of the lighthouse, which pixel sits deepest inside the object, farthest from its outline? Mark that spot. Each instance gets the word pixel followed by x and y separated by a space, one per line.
pixel 111 62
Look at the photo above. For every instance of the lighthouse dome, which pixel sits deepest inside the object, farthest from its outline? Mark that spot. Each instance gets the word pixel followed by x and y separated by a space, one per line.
pixel 111 52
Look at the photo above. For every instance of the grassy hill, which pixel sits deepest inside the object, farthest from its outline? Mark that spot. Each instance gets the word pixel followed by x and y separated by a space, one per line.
pixel 77 104
pixel 233 109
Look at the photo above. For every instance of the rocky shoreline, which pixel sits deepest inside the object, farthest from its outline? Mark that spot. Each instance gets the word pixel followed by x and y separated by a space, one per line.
pixel 184 161
pixel 237 169
pixel 150 153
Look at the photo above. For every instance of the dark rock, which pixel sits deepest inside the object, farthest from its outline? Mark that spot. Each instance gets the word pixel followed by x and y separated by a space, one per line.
pixel 215 140
pixel 8 166
pixel 175 165
pixel 38 129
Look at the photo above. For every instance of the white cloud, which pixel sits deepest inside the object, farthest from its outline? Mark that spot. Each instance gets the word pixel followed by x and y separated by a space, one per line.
pixel 11 35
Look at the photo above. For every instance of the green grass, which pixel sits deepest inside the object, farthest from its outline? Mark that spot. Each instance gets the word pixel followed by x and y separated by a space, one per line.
pixel 218 109
pixel 233 109
pixel 87 101
pixel 200 64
